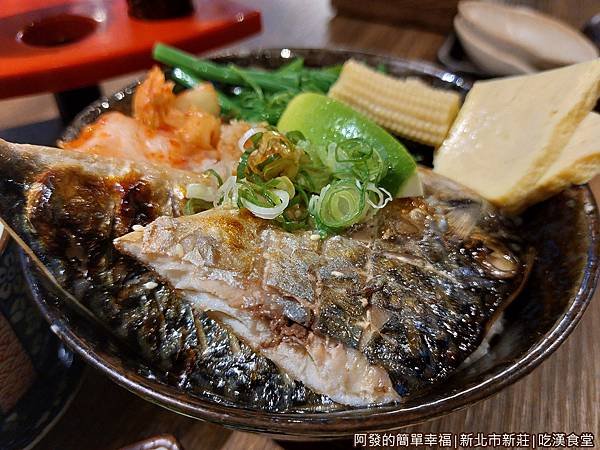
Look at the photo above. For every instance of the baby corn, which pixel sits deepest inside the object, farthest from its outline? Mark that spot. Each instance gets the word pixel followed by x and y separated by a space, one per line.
pixel 407 107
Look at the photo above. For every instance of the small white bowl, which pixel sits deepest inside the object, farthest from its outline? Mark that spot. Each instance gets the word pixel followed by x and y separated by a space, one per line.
pixel 485 55
pixel 539 39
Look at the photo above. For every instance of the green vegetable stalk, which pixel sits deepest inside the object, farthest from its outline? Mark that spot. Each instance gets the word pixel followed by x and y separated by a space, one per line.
pixel 249 94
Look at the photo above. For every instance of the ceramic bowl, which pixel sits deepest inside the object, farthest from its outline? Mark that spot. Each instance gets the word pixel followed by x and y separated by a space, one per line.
pixel 525 34
pixel 38 374
pixel 564 231
pixel 486 55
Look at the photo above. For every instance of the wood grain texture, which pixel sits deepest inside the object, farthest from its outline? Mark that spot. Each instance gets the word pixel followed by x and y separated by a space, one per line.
pixel 433 15
pixel 563 394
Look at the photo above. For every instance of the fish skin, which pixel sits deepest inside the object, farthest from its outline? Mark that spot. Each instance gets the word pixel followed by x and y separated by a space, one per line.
pixel 69 206
pixel 32 175
pixel 413 289
pixel 181 251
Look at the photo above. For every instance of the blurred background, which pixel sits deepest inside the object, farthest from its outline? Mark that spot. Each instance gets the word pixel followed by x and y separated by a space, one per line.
pixel 405 28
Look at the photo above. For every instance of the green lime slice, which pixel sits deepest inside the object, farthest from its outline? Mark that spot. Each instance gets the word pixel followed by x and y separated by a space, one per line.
pixel 323 121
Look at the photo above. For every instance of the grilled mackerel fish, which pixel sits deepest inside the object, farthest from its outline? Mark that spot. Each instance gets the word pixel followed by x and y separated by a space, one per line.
pixel 363 318
pixel 69 206
pixel 412 291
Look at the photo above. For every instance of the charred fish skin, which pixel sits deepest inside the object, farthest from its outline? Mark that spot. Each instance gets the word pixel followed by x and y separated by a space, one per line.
pixel 411 293
pixel 68 207
pixel 355 289
pixel 413 290
pixel 438 287
pixel 207 257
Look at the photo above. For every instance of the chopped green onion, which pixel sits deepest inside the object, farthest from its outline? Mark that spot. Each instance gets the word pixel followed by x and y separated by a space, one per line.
pixel 353 150
pixel 270 156
pixel 383 196
pixel 340 204
pixel 354 158
pixel 215 174
pixel 201 191
pixel 248 135
pixel 207 190
pixel 283 184
pixel 268 212
pixel 295 137
pixel 270 159
pixel 243 164
pixel 227 194
pixel 196 205
pixel 275 165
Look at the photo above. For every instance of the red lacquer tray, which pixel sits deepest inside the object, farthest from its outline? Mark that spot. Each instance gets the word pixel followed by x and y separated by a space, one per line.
pixel 114 44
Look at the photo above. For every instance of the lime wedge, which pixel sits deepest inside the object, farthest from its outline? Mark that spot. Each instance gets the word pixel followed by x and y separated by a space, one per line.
pixel 323 120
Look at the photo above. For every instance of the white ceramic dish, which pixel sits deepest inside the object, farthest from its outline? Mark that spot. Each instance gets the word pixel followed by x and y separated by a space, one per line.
pixel 533 37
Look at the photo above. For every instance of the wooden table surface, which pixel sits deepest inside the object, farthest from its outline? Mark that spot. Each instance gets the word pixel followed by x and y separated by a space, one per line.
pixel 562 395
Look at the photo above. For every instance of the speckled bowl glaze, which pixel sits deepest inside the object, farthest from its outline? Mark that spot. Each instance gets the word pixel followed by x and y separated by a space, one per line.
pixel 39 375
pixel 564 230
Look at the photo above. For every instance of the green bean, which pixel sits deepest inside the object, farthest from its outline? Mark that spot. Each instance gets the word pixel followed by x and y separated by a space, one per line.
pixel 184 78
pixel 293 66
pixel 259 95
pixel 223 74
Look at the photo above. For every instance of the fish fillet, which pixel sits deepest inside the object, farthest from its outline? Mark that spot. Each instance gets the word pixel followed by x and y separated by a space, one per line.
pixel 68 207
pixel 412 291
